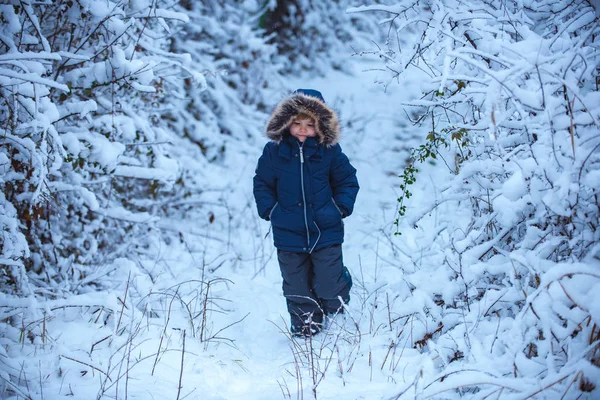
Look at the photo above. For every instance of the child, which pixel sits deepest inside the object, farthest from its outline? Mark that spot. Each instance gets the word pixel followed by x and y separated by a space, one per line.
pixel 305 185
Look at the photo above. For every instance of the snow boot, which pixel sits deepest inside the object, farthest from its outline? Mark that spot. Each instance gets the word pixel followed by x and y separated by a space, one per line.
pixel 308 326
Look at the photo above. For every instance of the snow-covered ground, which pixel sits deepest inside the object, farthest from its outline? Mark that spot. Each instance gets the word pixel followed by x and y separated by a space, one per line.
pixel 353 359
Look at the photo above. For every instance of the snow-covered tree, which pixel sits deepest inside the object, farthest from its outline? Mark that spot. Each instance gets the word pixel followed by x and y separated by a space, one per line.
pixel 510 114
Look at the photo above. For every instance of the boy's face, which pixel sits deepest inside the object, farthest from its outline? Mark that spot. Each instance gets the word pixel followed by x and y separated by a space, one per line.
pixel 303 127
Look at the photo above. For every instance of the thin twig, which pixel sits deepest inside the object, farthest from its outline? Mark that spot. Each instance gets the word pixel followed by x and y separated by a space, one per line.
pixel 123 303
pixel 88 365
pixel 181 371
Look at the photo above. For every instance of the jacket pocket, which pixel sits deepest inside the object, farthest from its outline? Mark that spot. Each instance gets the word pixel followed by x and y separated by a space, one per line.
pixel 289 220
pixel 337 208
pixel 328 216
pixel 273 209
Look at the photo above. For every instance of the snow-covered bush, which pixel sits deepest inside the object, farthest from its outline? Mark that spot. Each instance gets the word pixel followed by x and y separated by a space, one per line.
pixel 109 111
pixel 116 119
pixel 311 34
pixel 220 122
pixel 510 115
pixel 242 70
pixel 82 144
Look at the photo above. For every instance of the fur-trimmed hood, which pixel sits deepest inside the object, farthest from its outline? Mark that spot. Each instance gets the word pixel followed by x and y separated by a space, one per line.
pixel 327 124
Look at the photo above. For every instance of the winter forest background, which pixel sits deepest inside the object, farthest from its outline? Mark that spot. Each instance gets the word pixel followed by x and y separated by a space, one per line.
pixel 132 261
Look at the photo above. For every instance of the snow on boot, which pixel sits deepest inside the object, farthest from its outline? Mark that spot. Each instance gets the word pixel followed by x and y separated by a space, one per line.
pixel 310 326
pixel 335 322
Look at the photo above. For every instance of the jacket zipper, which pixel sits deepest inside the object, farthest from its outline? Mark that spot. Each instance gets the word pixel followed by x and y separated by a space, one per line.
pixel 303 193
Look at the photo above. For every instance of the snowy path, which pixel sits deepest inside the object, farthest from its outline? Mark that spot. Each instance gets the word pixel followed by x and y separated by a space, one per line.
pixel 362 366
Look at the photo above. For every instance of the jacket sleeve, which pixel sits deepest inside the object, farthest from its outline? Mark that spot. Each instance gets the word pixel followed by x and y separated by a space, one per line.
pixel 343 182
pixel 265 180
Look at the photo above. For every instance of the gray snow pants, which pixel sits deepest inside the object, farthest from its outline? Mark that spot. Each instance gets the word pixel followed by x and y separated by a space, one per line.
pixel 314 283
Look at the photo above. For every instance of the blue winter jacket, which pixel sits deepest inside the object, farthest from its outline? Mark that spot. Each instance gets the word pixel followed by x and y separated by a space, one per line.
pixel 304 189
